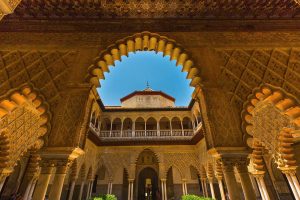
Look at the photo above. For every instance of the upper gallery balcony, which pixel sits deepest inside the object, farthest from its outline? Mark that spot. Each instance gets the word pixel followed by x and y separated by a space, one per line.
pixel 151 129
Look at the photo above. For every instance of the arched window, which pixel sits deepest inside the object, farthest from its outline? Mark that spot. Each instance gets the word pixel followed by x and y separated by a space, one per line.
pixel 93 118
pixel 116 128
pixel 127 124
pixel 151 127
pixel 198 115
pixel 105 127
pixel 151 124
pixel 97 123
pixel 165 128
pixel 127 127
pixel 139 127
pixel 187 123
pixel 116 125
pixel 176 126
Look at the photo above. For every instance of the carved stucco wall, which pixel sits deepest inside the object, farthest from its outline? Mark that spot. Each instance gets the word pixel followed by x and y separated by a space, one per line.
pixel 50 71
pixel 242 70
pixel 180 157
pixel 237 70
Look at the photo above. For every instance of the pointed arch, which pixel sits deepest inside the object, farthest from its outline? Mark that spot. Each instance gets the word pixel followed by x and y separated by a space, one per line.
pixel 157 156
pixel 144 41
pixel 187 123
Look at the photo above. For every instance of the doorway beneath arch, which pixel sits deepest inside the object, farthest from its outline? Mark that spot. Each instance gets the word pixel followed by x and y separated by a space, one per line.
pixel 148 188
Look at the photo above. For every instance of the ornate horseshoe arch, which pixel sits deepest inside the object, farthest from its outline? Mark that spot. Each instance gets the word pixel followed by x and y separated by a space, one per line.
pixel 271 117
pixel 24 120
pixel 144 41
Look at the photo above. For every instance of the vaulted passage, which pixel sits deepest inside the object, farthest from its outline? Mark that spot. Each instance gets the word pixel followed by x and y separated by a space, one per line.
pixel 213 111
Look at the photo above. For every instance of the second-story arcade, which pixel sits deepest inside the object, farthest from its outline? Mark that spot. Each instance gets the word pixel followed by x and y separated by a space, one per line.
pixel 146 116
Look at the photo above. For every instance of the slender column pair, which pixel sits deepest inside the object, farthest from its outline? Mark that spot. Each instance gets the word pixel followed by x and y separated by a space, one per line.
pixel 30 176
pixel 203 181
pixel 259 178
pixel 210 175
pixel 2 176
pixel 89 189
pixel 130 189
pixel 228 165
pixel 245 179
pixel 43 180
pixel 164 189
pixel 219 176
pixel 204 187
pixel 58 181
pixel 184 187
pixel 293 182
pixel 109 187
pixel 81 190
pixel 72 186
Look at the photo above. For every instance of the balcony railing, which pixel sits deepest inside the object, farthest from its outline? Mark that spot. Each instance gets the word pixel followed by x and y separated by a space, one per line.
pixel 175 134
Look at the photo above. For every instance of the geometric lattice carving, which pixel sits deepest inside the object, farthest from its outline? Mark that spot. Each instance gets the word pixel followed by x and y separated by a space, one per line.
pixel 24 120
pixel 181 161
pixel 47 71
pixel 245 69
pixel 98 9
pixel 141 42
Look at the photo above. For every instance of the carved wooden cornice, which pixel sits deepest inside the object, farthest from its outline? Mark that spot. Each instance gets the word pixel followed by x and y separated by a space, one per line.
pixel 128 9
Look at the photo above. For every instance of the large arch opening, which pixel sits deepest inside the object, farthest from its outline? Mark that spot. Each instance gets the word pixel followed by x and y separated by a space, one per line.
pixel 147 176
pixel 144 41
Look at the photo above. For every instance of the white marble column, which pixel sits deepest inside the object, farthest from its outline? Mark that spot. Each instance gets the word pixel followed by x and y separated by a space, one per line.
pixel 129 190
pixel 296 183
pixel 71 191
pixel 292 185
pixel 122 122
pixel 58 181
pixel 2 179
pixel 29 197
pixel 171 129
pixel 184 187
pixel 245 180
pixel 111 123
pixel 162 189
pixel 158 129
pixel 88 190
pixel 212 188
pixel 81 190
pixel 43 181
pixel 221 189
pixel 182 128
pixel 133 129
pixel 228 171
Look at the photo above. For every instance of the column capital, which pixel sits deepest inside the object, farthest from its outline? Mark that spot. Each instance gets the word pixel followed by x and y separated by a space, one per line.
pixel 291 171
pixel 163 179
pixel 241 165
pixel 47 166
pixel 228 164
pixel 130 179
pixel 258 175
pixel 33 166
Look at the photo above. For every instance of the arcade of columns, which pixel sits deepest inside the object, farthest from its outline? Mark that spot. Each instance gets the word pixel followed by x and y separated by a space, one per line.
pixel 246 84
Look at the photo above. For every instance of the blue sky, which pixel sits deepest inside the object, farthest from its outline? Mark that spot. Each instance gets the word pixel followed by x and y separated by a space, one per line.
pixel 133 72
